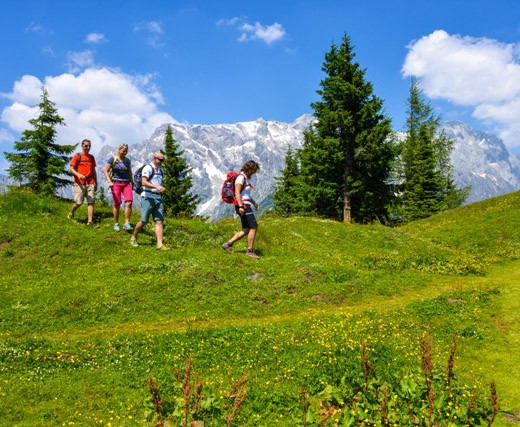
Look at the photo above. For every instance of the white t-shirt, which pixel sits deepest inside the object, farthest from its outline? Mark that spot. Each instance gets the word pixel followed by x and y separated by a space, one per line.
pixel 157 179
pixel 245 194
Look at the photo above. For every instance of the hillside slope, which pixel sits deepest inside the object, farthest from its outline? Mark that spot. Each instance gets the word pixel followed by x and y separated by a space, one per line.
pixel 84 312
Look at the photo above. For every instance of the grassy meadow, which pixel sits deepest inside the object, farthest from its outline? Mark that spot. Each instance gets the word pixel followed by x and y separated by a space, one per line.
pixel 86 319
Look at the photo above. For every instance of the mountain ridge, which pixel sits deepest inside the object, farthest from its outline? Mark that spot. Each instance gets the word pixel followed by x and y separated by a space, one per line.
pixel 479 159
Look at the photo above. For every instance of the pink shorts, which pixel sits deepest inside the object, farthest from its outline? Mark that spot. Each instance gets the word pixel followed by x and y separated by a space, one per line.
pixel 124 188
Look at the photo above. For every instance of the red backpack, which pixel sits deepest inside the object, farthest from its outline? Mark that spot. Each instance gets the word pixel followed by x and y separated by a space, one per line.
pixel 228 187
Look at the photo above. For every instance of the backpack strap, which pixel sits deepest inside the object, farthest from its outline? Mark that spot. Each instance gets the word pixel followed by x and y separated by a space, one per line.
pixel 245 181
pixel 78 160
pixel 149 179
pixel 111 170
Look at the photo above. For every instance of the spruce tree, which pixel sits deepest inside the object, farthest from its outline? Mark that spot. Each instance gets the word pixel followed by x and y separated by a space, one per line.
pixel 348 154
pixel 286 191
pixel 178 199
pixel 425 168
pixel 39 162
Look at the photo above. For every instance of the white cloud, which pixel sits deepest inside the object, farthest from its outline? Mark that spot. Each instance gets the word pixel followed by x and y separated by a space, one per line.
pixel 481 73
pixel 34 28
pixel 105 106
pixel 153 31
pixel 235 21
pixel 95 38
pixel 27 90
pixel 257 31
pixel 18 115
pixel 150 26
pixel 49 51
pixel 78 61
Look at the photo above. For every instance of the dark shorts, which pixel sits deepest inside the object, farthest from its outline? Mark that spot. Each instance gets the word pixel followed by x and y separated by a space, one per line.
pixel 248 219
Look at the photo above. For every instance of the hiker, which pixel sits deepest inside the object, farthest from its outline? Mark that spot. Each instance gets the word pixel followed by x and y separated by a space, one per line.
pixel 151 200
pixel 118 173
pixel 243 203
pixel 83 167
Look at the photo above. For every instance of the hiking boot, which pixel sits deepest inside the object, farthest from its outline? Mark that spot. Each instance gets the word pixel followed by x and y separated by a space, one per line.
pixel 163 248
pixel 128 227
pixel 70 215
pixel 251 253
pixel 91 224
pixel 227 247
pixel 133 242
pixel 116 227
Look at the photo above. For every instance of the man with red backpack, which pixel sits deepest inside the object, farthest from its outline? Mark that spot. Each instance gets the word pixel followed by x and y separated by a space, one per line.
pixel 243 206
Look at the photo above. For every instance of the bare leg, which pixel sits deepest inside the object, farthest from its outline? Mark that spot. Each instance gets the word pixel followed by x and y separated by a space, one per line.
pixel 159 233
pixel 116 213
pixel 138 227
pixel 251 238
pixel 90 212
pixel 128 211
pixel 75 207
pixel 238 235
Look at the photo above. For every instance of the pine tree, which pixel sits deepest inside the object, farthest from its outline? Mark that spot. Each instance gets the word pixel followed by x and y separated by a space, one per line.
pixel 286 197
pixel 40 163
pixel 425 168
pixel 178 199
pixel 347 156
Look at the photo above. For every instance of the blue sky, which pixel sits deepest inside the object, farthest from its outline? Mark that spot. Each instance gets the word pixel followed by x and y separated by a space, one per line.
pixel 118 69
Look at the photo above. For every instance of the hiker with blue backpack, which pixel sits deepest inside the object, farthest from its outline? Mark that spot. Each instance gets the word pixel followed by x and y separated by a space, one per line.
pixel 118 173
pixel 148 182
pixel 244 202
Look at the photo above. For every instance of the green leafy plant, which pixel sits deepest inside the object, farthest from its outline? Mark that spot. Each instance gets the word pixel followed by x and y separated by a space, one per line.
pixel 430 399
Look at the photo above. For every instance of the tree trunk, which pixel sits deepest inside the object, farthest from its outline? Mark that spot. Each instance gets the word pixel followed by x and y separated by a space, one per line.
pixel 347 218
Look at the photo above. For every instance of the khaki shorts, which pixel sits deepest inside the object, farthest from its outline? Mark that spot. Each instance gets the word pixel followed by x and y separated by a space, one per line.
pixel 82 192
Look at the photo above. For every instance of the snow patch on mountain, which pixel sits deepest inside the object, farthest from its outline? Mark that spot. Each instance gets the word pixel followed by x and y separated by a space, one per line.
pixel 482 161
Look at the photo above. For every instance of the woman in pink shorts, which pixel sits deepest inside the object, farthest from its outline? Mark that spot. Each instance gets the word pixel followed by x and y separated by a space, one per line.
pixel 118 172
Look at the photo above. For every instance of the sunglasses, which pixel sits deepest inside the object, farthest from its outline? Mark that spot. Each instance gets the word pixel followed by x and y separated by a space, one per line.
pixel 157 158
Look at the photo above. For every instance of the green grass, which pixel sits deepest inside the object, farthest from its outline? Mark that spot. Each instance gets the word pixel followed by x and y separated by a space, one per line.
pixel 85 317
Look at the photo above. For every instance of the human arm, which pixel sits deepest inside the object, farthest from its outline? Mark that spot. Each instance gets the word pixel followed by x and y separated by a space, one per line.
pixel 130 174
pixel 74 168
pixel 238 197
pixel 107 176
pixel 146 181
pixel 94 175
